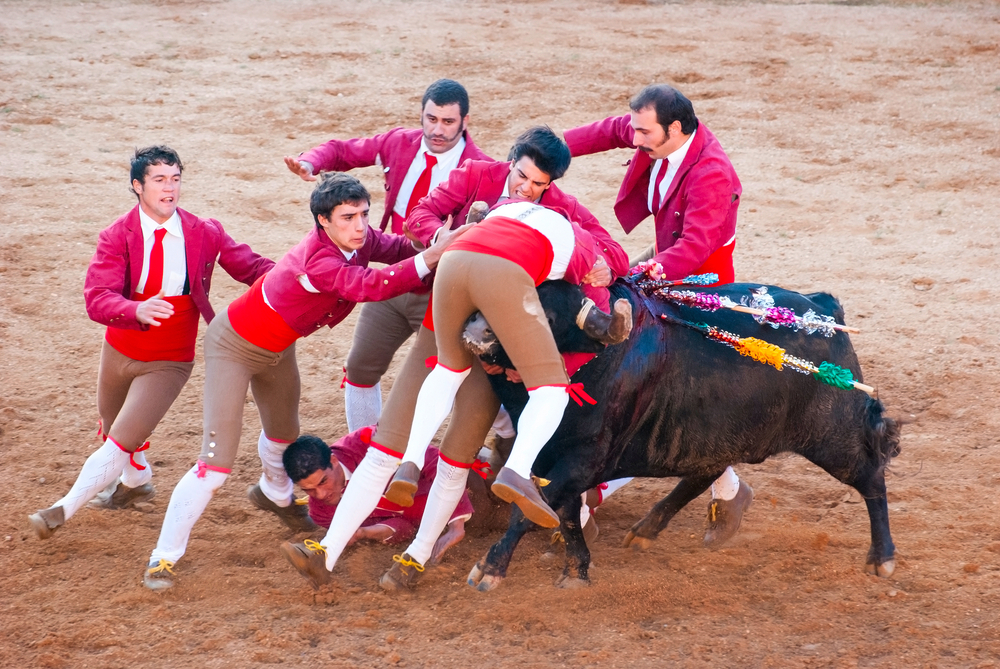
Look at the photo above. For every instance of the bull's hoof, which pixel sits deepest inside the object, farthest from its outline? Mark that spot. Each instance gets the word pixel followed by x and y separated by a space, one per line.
pixel 884 570
pixel 636 542
pixel 480 580
pixel 572 583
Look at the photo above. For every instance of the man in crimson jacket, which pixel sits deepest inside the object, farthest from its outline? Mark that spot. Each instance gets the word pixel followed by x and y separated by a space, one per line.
pixel 681 176
pixel 414 161
pixel 148 283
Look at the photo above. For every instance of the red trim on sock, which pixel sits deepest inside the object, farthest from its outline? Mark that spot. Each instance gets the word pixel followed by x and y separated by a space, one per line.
pixel 204 468
pixel 455 463
pixel 385 449
pixel 278 441
pixel 356 385
pixel 365 434
pixel 431 361
pixel 575 391
pixel 482 468
pixel 456 371
pixel 131 454
pixel 343 380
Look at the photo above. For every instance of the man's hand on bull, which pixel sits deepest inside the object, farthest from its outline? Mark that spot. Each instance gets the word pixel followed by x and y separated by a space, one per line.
pixel 492 370
pixel 599 274
pixel 442 239
pixel 300 167
pixel 513 375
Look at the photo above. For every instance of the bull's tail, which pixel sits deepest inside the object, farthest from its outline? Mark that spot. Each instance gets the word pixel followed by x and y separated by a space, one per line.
pixel 881 434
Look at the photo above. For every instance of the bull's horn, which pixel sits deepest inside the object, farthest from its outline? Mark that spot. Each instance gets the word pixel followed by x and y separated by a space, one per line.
pixel 477 212
pixel 611 328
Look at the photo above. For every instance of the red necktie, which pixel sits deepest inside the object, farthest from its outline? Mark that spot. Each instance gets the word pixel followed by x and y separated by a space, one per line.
pixel 656 186
pixel 154 279
pixel 423 184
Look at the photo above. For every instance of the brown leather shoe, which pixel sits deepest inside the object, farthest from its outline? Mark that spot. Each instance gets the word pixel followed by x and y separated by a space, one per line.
pixel 309 558
pixel 45 521
pixel 294 516
pixel 511 487
pixel 402 575
pixel 725 516
pixel 123 497
pixel 403 486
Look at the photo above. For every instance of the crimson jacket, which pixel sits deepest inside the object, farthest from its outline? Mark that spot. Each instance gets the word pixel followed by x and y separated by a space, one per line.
pixel 341 283
pixel 484 180
pixel 393 150
pixel 697 217
pixel 404 521
pixel 116 267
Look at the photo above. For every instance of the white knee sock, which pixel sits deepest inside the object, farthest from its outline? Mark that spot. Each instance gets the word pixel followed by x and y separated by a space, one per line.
pixel 363 492
pixel 584 510
pixel 503 426
pixel 274 481
pixel 132 477
pixel 445 494
pixel 187 503
pixel 726 486
pixel 101 468
pixel 362 405
pixel 434 403
pixel 539 420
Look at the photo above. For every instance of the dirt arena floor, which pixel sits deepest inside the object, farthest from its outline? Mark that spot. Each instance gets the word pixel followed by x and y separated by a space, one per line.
pixel 867 137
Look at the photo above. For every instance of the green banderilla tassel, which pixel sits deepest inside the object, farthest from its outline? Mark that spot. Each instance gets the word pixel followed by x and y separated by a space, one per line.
pixel 835 376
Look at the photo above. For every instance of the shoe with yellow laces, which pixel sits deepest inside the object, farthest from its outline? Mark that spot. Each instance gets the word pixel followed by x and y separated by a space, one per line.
pixel 402 575
pixel 159 575
pixel 309 558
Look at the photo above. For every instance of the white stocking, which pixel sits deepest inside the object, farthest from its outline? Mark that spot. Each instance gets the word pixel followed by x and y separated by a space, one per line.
pixel 101 468
pixel 363 492
pixel 274 481
pixel 445 494
pixel 539 420
pixel 187 503
pixel 726 486
pixel 363 405
pixel 132 477
pixel 434 402
pixel 503 426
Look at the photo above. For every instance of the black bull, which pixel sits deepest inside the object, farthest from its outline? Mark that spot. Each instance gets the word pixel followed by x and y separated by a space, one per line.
pixel 670 402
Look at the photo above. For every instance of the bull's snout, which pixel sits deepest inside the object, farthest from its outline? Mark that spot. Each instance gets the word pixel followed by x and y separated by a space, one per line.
pixel 612 328
pixel 478 336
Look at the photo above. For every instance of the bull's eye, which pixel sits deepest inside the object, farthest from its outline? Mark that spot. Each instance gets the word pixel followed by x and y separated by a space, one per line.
pixel 488 332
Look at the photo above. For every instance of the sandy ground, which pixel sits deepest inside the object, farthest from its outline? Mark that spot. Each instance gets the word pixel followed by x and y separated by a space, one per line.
pixel 867 137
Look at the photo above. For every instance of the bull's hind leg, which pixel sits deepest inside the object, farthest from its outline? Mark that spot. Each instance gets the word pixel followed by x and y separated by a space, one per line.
pixel 643 533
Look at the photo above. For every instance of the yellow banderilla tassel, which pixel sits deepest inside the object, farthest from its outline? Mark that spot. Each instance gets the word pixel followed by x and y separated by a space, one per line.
pixel 762 351
pixel 407 562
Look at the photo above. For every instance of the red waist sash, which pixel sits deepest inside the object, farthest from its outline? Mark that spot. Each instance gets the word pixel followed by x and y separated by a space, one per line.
pixel 512 240
pixel 173 340
pixel 258 323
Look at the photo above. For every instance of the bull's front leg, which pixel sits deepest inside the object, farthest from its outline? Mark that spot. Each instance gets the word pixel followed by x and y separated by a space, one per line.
pixel 491 569
pixel 643 533
pixel 881 559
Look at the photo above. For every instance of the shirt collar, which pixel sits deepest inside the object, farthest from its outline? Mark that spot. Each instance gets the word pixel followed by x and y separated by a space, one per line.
pixel 172 224
pixel 452 154
pixel 677 157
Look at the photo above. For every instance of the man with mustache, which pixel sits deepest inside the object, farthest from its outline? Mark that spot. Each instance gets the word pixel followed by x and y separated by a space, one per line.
pixel 681 176
pixel 413 161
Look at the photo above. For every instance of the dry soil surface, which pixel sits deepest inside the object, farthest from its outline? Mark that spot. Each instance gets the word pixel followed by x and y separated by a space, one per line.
pixel 867 137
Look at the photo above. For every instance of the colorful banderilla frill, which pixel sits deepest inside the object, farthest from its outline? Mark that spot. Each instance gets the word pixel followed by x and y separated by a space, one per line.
pixel 771 354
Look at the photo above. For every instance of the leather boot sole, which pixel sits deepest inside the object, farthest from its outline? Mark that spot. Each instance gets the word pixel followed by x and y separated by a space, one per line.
pixel 506 487
pixel 403 486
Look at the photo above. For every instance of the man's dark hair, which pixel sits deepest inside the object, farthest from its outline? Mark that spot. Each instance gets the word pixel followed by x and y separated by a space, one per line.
pixel 334 189
pixel 545 148
pixel 151 155
pixel 445 92
pixel 305 456
pixel 670 105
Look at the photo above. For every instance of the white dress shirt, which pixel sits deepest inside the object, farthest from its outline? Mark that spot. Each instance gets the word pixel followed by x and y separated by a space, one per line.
pixel 174 258
pixel 673 161
pixel 446 162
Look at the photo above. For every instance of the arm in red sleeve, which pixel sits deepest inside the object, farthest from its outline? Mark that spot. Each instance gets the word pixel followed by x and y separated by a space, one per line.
pixel 239 260
pixel 346 154
pixel 448 199
pixel 611 133
pixel 389 248
pixel 363 284
pixel 402 529
pixel 105 284
pixel 709 198
pixel 612 251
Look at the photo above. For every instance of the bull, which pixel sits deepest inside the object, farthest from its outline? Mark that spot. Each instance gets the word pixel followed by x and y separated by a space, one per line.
pixel 670 402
